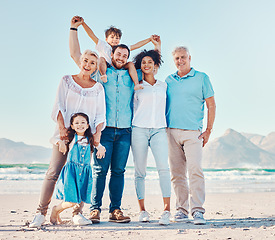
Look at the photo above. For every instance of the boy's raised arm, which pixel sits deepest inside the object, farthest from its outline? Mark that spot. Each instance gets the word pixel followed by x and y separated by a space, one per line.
pixel 140 44
pixel 90 32
pixel 73 40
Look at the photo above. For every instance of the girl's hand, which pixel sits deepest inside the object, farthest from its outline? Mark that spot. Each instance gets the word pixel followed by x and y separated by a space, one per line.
pixel 62 147
pixel 100 151
pixel 76 21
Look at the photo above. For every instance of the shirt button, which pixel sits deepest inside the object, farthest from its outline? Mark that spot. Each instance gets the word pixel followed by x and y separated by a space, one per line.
pixel 83 148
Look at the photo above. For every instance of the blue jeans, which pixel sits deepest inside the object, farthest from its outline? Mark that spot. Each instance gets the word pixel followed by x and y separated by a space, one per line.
pixel 156 138
pixel 117 142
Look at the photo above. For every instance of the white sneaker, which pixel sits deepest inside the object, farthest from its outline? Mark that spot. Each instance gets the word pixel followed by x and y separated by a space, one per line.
pixel 165 218
pixel 144 216
pixel 38 220
pixel 80 220
pixel 198 218
pixel 180 216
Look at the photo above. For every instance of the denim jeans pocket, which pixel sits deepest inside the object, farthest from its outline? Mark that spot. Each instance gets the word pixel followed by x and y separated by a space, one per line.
pixel 128 130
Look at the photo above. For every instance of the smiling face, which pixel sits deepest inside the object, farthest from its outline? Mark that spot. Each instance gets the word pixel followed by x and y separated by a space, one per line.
pixel 147 65
pixel 80 125
pixel 88 64
pixel 120 57
pixel 182 61
pixel 113 39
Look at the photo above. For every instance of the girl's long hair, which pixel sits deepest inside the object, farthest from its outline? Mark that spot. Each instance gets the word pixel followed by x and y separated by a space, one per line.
pixel 88 132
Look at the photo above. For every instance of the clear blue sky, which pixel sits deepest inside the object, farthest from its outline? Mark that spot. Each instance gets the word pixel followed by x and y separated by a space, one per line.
pixel 232 41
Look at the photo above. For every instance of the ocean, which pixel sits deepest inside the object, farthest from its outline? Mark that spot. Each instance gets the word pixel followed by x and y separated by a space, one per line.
pixel 27 179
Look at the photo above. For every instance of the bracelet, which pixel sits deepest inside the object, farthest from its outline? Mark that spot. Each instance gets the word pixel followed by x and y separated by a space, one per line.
pixel 74 29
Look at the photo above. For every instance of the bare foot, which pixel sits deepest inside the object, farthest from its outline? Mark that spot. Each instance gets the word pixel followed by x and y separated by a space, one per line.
pixel 138 87
pixel 55 217
pixel 103 78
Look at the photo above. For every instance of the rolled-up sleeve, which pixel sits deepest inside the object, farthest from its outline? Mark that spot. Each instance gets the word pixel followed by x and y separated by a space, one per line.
pixel 60 99
pixel 100 116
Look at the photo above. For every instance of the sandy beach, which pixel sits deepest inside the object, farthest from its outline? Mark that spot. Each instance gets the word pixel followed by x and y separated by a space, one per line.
pixel 229 216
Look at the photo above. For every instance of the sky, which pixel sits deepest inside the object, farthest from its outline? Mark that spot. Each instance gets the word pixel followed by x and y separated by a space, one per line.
pixel 232 41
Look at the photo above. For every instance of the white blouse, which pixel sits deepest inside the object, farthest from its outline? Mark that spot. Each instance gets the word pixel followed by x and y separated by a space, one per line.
pixel 149 105
pixel 72 98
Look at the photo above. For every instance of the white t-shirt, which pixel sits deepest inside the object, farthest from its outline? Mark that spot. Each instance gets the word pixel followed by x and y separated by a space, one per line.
pixel 149 105
pixel 104 49
pixel 72 98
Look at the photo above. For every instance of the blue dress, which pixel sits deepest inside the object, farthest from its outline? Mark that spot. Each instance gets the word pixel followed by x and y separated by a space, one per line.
pixel 75 180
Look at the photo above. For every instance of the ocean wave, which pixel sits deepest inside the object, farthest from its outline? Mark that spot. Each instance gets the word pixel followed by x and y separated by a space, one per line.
pixel 37 172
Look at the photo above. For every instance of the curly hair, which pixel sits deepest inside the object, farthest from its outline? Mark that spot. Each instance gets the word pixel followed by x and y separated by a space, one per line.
pixel 88 132
pixel 155 55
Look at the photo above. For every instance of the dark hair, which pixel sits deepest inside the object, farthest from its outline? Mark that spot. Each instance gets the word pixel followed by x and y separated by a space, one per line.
pixel 114 30
pixel 88 132
pixel 121 46
pixel 155 55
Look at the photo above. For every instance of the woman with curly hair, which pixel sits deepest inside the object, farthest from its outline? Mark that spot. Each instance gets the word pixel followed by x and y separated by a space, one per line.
pixel 149 129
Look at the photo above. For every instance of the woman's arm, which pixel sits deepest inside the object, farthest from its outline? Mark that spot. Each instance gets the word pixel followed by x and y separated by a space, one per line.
pixel 100 116
pixel 73 40
pixel 97 134
pixel 61 126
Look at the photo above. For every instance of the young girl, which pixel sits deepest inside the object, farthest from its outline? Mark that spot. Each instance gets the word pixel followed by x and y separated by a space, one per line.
pixel 74 185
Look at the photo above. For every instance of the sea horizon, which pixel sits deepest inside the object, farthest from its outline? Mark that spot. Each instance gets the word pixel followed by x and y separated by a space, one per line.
pixel 28 178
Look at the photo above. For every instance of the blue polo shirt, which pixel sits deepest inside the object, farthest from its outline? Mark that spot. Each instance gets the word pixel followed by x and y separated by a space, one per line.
pixel 185 99
pixel 119 90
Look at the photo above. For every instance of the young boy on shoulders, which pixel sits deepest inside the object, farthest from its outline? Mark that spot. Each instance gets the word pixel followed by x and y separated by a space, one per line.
pixel 113 36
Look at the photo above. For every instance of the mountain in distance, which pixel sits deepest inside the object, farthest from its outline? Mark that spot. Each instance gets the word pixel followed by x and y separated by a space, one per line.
pixel 236 150
pixel 265 142
pixel 268 143
pixel 232 150
pixel 254 138
pixel 20 153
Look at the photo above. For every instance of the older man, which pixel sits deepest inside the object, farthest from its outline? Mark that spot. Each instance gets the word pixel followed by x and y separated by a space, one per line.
pixel 187 91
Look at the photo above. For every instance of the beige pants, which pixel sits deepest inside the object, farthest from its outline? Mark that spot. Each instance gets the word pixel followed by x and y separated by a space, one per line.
pixel 185 155
pixel 58 160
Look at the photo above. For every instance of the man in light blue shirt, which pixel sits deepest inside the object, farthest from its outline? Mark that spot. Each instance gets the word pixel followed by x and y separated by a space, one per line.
pixel 116 137
pixel 187 91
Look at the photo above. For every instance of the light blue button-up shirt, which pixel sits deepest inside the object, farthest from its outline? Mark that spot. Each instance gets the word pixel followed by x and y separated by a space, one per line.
pixel 185 99
pixel 119 90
